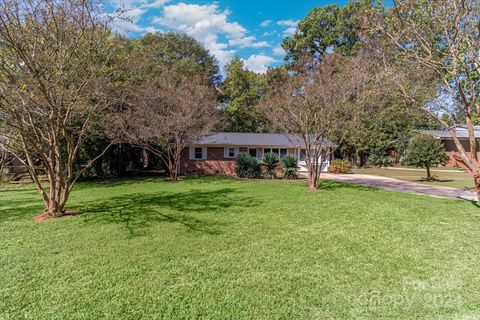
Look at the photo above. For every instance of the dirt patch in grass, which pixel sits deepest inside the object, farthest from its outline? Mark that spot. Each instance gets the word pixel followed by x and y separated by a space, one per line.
pixel 45 217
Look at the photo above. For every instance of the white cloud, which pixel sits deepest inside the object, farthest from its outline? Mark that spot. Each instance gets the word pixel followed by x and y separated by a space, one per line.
pixel 248 42
pixel 291 27
pixel 138 3
pixel 132 12
pixel 157 3
pixel 279 51
pixel 289 32
pixel 125 26
pixel 207 23
pixel 258 63
pixel 265 23
pixel 288 23
pixel 128 21
pixel 152 29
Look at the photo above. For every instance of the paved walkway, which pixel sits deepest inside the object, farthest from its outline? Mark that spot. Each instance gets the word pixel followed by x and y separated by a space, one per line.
pixel 402 186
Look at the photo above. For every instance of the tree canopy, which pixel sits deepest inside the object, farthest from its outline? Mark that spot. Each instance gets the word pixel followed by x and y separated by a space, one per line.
pixel 181 52
pixel 241 92
pixel 53 86
pixel 425 151
pixel 328 29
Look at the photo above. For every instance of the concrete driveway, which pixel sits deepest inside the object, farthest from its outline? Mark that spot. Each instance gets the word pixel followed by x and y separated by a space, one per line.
pixel 402 186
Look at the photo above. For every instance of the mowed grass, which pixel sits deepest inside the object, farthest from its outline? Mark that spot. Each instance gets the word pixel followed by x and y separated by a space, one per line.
pixel 212 248
pixel 446 178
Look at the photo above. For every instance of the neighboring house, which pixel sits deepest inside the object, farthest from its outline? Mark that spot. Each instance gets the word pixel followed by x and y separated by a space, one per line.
pixel 449 144
pixel 216 153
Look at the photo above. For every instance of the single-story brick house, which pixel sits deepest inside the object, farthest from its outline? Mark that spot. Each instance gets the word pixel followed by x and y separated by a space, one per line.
pixel 216 153
pixel 450 147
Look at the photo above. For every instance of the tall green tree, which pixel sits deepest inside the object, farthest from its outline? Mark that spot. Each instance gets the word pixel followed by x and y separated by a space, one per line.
pixel 329 29
pixel 180 52
pixel 241 92
pixel 425 151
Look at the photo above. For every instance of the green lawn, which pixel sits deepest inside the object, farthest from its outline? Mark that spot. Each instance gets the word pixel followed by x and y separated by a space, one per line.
pixel 211 248
pixel 447 178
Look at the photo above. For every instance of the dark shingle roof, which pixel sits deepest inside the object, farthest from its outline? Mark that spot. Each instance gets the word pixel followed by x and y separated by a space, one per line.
pixel 254 139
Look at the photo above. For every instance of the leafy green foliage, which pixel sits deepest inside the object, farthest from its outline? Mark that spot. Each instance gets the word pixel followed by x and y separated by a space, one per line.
pixel 270 162
pixel 326 28
pixel 247 166
pixel 182 53
pixel 241 92
pixel 340 166
pixel 290 166
pixel 425 151
pixel 381 160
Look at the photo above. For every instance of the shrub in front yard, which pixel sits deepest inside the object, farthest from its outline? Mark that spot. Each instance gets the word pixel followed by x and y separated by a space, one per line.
pixel 290 166
pixel 248 166
pixel 425 151
pixel 270 162
pixel 340 166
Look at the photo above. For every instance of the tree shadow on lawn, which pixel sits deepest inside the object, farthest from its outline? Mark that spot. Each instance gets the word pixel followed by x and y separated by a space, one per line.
pixel 334 185
pixel 192 209
pixel 20 209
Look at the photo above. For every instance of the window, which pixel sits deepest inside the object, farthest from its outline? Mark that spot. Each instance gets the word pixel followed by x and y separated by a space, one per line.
pixel 279 152
pixel 231 152
pixel 252 152
pixel 303 154
pixel 198 153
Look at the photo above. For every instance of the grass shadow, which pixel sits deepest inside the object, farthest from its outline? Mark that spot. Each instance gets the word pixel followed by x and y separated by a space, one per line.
pixel 334 185
pixel 193 209
pixel 476 204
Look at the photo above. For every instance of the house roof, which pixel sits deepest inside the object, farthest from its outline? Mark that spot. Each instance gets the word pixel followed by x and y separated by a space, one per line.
pixel 254 139
pixel 462 133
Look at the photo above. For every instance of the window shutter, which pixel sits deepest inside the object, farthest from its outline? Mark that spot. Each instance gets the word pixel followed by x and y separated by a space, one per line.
pixel 225 152
pixel 191 153
pixel 204 153
pixel 237 151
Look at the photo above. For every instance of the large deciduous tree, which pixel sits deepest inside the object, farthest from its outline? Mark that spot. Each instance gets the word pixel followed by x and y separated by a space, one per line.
pixel 440 38
pixel 167 85
pixel 166 114
pixel 53 56
pixel 241 93
pixel 319 102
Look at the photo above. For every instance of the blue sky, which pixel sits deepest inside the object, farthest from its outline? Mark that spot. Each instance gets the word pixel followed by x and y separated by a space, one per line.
pixel 249 29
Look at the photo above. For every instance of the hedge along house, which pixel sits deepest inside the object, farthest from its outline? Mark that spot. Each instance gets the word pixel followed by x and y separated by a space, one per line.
pixel 216 153
pixel 450 147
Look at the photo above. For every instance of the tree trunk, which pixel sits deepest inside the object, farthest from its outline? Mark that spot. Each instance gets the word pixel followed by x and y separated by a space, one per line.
pixel 476 179
pixel 173 169
pixel 429 176
pixel 57 199
pixel 313 179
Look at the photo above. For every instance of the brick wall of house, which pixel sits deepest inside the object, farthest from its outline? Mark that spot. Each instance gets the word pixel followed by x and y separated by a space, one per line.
pixel 455 157
pixel 216 163
pixel 456 160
